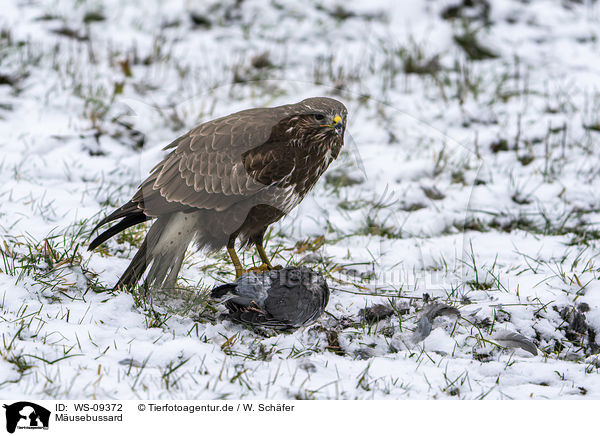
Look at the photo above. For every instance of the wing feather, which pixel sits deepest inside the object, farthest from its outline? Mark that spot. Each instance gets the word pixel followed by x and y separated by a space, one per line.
pixel 205 168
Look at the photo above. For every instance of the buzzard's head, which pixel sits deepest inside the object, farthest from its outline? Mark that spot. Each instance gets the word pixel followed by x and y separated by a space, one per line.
pixel 324 116
pixel 316 124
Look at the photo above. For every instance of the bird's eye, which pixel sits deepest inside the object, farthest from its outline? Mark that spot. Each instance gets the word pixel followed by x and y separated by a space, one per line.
pixel 319 117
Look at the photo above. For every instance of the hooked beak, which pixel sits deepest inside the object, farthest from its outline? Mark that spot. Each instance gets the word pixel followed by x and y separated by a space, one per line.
pixel 338 125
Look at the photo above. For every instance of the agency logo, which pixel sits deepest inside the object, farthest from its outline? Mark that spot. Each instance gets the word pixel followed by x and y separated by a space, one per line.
pixel 26 415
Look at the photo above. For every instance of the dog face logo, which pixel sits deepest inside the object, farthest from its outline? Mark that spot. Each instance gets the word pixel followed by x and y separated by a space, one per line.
pixel 25 415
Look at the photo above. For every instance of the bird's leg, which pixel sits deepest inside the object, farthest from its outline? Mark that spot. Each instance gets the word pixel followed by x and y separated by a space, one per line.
pixel 266 262
pixel 239 270
pixel 263 256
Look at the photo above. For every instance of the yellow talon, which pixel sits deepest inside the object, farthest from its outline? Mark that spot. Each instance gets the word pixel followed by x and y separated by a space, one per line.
pixel 239 269
pixel 264 267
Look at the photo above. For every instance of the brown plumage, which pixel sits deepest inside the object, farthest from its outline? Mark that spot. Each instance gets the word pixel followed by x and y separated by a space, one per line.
pixel 228 178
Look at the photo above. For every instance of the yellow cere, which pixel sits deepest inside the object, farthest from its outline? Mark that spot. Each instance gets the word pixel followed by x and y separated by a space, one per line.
pixel 337 119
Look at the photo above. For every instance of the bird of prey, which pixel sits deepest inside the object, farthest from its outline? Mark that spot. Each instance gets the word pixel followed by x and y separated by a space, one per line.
pixel 228 178
pixel 281 299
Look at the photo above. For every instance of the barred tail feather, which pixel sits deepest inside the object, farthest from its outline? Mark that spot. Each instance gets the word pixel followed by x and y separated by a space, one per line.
pixel 136 268
pixel 164 248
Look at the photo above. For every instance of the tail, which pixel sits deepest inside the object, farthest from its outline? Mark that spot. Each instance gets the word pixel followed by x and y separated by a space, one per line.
pixel 164 247
pixel 142 258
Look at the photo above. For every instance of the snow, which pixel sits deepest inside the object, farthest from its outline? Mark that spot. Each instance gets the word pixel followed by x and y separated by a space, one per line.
pixel 437 209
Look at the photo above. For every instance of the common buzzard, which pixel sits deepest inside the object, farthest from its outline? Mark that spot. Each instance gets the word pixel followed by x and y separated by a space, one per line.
pixel 230 177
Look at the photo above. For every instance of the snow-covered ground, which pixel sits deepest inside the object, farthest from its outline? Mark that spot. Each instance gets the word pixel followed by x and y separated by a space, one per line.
pixel 470 178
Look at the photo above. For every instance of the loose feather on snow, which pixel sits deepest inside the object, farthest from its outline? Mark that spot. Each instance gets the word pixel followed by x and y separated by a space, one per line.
pixel 515 340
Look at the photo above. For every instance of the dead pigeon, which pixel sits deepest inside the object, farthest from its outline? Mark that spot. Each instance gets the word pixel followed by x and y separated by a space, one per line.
pixel 280 299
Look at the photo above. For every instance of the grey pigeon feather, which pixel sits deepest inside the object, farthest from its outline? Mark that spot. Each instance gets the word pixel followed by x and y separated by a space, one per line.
pixel 431 312
pixel 515 340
